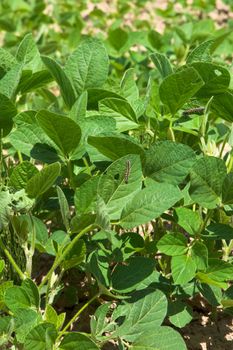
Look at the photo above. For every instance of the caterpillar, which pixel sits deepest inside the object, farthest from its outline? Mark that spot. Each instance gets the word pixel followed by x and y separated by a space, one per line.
pixel 127 171
pixel 198 110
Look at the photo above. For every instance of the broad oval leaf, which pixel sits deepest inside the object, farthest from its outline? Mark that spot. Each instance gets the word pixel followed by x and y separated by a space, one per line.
pixel 173 244
pixel 21 174
pixel 115 146
pixel 222 106
pixel 215 77
pixel 162 338
pixel 42 181
pixel 66 88
pixel 162 64
pixel 177 88
pixel 167 161
pixel 41 337
pixel 87 67
pixel 145 311
pixel 149 204
pixel 183 269
pixel 77 341
pixel 125 278
pixel 207 175
pixel 8 111
pixel 64 132
pixel 115 107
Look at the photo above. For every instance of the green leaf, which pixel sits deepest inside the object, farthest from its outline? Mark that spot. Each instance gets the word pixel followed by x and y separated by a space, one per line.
pixel 87 67
pixel 77 341
pixel 179 313
pixel 124 278
pixel 162 64
pixel 199 253
pixel 149 204
pixel 215 77
pixel 102 217
pixel 25 320
pixel 21 174
pixel 28 52
pixel 162 338
pixel 183 269
pixel 17 298
pixel 173 244
pixel 115 146
pixel 34 81
pixel 41 337
pixel 86 195
pixel 99 323
pixel 75 256
pixel 144 312
pixel 167 161
pixel 119 183
pixel 207 175
pixel 32 291
pixel 96 95
pixel 222 106
pixel 64 207
pixel 115 107
pixel 188 219
pixel 227 189
pixel 66 88
pixel 10 81
pixel 177 88
pixel 218 231
pixel 42 181
pixel 129 87
pixel 219 270
pixel 64 132
pixel 30 139
pixel 79 108
pixel 201 52
pixel 8 111
pixel 118 38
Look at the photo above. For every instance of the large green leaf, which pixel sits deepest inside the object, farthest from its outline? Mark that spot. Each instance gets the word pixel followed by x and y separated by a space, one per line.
pixel 41 337
pixel 42 181
pixel 173 244
pixel 218 231
pixel 227 189
pixel 119 183
pixel 207 175
pixel 215 77
pixel 179 313
pixel 162 338
pixel 87 67
pixel 199 253
pixel 162 64
pixel 21 174
pixel 77 341
pixel 8 111
pixel 201 52
pixel 10 81
pixel 170 162
pixel 144 312
pixel 86 195
pixel 183 269
pixel 222 106
pixel 219 270
pixel 149 204
pixel 177 88
pixel 64 132
pixel 188 219
pixel 124 278
pixel 115 107
pixel 114 145
pixel 29 138
pixel 66 88
pixel 28 52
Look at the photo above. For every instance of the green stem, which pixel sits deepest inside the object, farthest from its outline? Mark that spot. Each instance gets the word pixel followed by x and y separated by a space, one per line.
pixel 12 261
pixel 74 318
pixel 205 222
pixel 61 255
pixel 87 166
pixel 224 144
pixel 70 173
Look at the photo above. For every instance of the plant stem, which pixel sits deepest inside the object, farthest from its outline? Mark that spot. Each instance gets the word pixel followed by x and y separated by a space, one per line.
pixel 61 255
pixel 70 173
pixel 74 318
pixel 12 261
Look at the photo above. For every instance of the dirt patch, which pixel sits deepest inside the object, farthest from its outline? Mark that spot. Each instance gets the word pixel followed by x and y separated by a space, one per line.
pixel 204 334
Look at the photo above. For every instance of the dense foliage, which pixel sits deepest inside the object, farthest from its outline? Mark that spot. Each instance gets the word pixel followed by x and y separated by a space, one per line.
pixel 116 176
